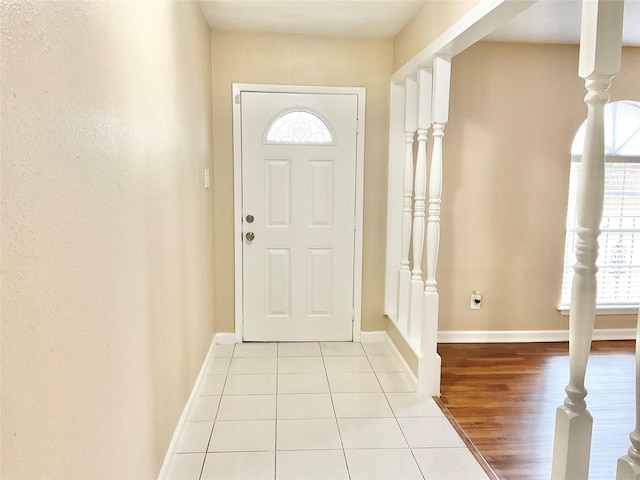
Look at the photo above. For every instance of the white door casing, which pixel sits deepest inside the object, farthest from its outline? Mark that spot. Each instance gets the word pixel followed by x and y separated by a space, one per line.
pixel 299 279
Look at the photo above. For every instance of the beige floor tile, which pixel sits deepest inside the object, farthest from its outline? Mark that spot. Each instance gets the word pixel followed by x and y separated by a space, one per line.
pixel 303 383
pixel 311 465
pixel 304 349
pixel 250 385
pixel 243 436
pixel 305 405
pixel 247 407
pixel 239 466
pixel 380 464
pixel 371 433
pixel 426 432
pixel 449 464
pixel 316 434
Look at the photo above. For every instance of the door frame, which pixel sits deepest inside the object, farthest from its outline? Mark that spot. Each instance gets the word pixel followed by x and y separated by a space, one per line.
pixel 237 89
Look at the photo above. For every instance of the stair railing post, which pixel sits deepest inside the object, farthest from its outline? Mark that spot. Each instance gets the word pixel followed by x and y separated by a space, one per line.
pixel 420 192
pixel 429 367
pixel 404 273
pixel 600 50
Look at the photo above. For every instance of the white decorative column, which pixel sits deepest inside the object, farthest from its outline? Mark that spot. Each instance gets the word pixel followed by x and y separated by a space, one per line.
pixel 404 274
pixel 629 465
pixel 420 195
pixel 429 368
pixel 600 50
pixel 394 199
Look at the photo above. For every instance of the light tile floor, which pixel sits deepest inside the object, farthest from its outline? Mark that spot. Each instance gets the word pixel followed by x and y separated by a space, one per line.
pixel 302 411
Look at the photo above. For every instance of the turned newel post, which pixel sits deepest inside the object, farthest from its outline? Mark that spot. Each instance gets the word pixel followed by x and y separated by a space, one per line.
pixel 629 465
pixel 600 45
pixel 441 86
pixel 430 364
pixel 420 192
pixel 404 274
pixel 435 195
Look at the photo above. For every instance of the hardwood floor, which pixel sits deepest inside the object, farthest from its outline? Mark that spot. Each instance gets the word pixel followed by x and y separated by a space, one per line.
pixel 505 396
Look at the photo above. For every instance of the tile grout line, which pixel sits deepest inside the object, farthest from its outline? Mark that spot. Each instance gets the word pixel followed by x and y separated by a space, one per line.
pixel 395 416
pixel 323 357
pixel 275 427
pixel 335 415
pixel 172 450
pixel 215 418
pixel 456 428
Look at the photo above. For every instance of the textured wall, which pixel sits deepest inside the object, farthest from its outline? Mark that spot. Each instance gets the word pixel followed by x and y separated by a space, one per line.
pixel 515 109
pixel 304 60
pixel 107 232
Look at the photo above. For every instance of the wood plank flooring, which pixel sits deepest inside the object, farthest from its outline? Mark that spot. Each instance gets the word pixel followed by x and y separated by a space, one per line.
pixel 505 396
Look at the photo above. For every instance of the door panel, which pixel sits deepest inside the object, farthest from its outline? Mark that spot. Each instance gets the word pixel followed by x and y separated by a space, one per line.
pixel 298 269
pixel 320 194
pixel 278 193
pixel 278 283
pixel 319 282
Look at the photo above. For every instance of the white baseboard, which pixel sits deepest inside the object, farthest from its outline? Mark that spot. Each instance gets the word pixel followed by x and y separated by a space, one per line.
pixel 164 471
pixel 526 336
pixel 382 336
pixel 367 337
pixel 225 338
pixel 406 369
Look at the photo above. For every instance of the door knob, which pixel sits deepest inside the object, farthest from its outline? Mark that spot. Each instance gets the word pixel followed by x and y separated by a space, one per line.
pixel 250 236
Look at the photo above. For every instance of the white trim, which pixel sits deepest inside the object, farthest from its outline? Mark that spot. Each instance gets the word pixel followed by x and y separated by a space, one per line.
pixel 182 422
pixel 237 89
pixel 402 334
pixel 481 20
pixel 394 197
pixel 529 336
pixel 612 310
pixel 359 216
pixel 237 209
pixel 383 336
pixel 225 338
pixel 403 363
pixel 370 337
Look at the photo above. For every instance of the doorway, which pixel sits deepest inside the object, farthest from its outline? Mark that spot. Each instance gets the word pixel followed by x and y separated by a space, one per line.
pixel 298 212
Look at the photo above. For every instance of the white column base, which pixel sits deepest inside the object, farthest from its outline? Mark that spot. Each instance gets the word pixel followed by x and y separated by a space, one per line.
pixel 627 469
pixel 429 376
pixel 572 445
pixel 430 312
pixel 415 317
pixel 404 299
pixel 429 365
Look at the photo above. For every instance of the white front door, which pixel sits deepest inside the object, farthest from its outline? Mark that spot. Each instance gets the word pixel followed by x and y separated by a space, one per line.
pixel 298 211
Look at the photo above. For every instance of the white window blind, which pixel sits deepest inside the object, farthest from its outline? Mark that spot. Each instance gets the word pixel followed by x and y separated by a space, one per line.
pixel 619 252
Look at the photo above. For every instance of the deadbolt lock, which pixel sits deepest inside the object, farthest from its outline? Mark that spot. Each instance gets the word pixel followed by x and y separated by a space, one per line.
pixel 250 218
pixel 250 236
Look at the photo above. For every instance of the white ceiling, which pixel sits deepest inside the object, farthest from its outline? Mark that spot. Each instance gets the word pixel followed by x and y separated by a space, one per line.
pixel 334 18
pixel 548 21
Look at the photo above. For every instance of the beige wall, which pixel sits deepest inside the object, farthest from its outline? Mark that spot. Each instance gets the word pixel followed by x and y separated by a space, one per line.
pixel 514 111
pixel 431 21
pixel 106 233
pixel 303 60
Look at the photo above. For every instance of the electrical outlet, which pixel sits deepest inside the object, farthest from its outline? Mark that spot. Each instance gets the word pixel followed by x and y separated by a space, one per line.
pixel 476 300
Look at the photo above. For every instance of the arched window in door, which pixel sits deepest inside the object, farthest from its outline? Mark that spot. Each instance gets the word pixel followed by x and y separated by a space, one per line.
pixel 299 127
pixel 619 253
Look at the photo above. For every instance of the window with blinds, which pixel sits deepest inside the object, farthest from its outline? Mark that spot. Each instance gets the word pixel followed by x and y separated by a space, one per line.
pixel 619 252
